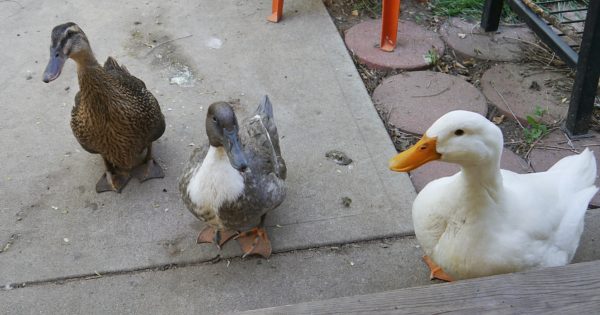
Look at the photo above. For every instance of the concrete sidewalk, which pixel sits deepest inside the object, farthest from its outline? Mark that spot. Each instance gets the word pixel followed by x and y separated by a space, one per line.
pixel 189 54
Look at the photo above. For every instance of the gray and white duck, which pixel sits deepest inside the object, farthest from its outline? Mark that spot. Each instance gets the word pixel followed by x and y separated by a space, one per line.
pixel 236 178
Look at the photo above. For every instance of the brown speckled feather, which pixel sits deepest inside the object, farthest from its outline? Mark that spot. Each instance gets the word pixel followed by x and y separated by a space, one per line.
pixel 115 115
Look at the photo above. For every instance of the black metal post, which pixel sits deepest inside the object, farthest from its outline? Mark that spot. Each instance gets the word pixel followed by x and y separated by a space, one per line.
pixel 588 72
pixel 490 19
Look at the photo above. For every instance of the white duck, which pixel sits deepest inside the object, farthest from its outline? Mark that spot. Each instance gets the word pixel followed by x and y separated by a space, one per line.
pixel 485 221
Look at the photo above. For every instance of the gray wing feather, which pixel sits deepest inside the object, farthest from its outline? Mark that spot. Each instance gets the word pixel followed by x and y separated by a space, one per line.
pixel 263 137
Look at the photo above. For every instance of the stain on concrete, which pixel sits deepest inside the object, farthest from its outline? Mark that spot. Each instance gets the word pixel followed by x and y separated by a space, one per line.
pixel 91 205
pixel 5 246
pixel 173 246
pixel 164 54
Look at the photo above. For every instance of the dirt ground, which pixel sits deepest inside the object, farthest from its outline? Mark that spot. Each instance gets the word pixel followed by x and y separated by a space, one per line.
pixel 347 13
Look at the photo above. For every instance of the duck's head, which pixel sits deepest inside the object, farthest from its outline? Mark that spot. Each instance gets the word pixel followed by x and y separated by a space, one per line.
pixel 222 130
pixel 68 41
pixel 460 137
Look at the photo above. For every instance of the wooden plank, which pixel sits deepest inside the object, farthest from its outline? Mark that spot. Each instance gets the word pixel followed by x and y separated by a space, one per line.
pixel 573 289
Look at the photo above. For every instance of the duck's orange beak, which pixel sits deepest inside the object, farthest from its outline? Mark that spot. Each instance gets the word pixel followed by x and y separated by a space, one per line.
pixel 415 156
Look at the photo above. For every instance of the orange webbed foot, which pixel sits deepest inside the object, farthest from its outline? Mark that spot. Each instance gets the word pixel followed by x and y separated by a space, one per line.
pixel 255 241
pixel 217 237
pixel 436 271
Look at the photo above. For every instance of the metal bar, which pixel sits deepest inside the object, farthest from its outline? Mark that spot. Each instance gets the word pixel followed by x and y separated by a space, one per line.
pixel 552 2
pixel 588 72
pixel 277 9
pixel 490 19
pixel 566 11
pixel 390 10
pixel 566 53
pixel 573 21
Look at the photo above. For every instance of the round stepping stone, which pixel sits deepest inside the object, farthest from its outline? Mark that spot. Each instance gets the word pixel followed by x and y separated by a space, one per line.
pixel 437 169
pixel 413 43
pixel 555 146
pixel 415 100
pixel 470 40
pixel 522 88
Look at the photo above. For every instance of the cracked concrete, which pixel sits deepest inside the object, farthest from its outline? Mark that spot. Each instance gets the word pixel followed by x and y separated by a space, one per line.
pixel 232 284
pixel 47 182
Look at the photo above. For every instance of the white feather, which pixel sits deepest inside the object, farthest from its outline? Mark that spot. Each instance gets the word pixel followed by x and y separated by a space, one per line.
pixel 483 220
pixel 215 181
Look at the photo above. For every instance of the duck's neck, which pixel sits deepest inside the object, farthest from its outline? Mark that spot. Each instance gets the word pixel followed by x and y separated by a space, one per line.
pixel 218 153
pixel 484 178
pixel 94 83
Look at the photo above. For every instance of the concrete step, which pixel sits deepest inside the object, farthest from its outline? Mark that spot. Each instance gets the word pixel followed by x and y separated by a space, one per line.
pixel 58 226
pixel 237 284
pixel 231 285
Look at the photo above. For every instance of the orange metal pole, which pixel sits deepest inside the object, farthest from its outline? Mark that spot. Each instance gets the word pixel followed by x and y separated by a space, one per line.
pixel 390 11
pixel 277 9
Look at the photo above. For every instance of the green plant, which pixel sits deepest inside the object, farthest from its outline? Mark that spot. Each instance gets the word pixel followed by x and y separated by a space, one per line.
pixel 468 8
pixel 371 6
pixel 432 57
pixel 536 128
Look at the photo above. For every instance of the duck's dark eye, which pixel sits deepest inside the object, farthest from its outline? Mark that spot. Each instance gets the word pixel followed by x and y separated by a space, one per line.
pixel 459 132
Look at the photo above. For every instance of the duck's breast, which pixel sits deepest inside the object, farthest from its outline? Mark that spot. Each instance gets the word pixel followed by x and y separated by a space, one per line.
pixel 214 183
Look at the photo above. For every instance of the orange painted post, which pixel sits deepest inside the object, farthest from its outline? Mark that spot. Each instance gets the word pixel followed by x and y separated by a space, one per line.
pixel 277 9
pixel 390 11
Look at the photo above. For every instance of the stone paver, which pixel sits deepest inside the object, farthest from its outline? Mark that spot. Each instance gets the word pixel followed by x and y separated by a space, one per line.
pixel 437 169
pixel 59 227
pixel 413 43
pixel 556 146
pixel 470 41
pixel 415 100
pixel 522 88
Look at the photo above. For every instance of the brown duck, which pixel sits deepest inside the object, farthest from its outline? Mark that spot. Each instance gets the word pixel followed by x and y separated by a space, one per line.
pixel 114 114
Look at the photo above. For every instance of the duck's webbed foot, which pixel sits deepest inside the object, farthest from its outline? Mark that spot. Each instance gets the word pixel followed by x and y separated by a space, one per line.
pixel 149 169
pixel 112 182
pixel 255 241
pixel 217 237
pixel 436 271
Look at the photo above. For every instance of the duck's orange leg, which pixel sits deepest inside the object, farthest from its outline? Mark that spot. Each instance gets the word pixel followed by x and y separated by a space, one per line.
pixel 217 237
pixel 255 241
pixel 436 271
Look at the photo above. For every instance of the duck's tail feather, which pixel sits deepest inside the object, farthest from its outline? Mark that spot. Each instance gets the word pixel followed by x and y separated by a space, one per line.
pixel 571 227
pixel 579 170
pixel 265 113
pixel 578 174
pixel 265 108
